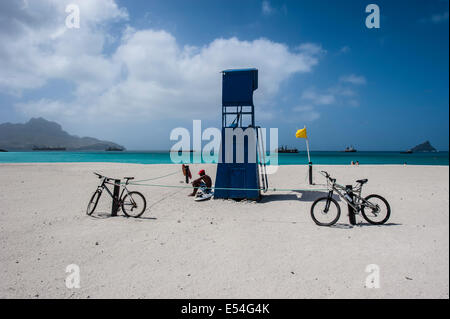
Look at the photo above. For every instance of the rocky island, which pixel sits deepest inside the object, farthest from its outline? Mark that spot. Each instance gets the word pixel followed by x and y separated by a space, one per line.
pixel 40 134
pixel 424 147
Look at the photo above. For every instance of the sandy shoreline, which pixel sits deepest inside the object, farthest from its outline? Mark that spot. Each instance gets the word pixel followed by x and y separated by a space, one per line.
pixel 219 249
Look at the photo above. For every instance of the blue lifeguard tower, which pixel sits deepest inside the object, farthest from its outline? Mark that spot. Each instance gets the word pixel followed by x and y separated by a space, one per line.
pixel 238 166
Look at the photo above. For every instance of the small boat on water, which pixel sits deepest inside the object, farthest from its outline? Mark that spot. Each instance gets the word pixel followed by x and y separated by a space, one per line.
pixel 407 152
pixel 350 149
pixel 114 149
pixel 46 148
pixel 285 149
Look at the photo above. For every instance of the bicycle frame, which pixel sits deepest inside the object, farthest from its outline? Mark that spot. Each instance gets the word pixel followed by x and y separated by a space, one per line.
pixel 342 191
pixel 120 198
pixel 105 181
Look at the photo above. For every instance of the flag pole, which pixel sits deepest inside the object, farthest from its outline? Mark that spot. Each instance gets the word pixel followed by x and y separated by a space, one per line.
pixel 302 134
pixel 309 162
pixel 307 149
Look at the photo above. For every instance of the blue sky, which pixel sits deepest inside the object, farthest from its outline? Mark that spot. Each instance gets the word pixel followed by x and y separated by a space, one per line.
pixel 137 69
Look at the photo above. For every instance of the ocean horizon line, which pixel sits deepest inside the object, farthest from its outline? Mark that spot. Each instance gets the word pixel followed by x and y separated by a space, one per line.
pixel 165 157
pixel 170 151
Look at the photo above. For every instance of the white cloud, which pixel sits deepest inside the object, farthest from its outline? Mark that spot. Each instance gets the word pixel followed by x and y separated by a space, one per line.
pixel 266 8
pixel 46 107
pixel 354 103
pixel 164 79
pixel 345 49
pixel 149 76
pixel 37 47
pixel 307 113
pixel 342 94
pixel 436 18
pixel 318 98
pixel 439 17
pixel 311 48
pixel 353 79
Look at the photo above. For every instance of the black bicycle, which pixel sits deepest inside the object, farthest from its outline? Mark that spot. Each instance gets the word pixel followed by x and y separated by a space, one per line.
pixel 133 203
pixel 325 211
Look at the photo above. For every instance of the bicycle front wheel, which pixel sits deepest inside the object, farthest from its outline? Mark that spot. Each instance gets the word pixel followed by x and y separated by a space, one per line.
pixel 324 216
pixel 134 204
pixel 375 209
pixel 93 202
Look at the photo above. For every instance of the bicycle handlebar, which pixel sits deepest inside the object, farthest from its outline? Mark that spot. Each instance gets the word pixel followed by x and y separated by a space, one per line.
pixel 105 177
pixel 324 173
pixel 110 178
pixel 332 180
pixel 99 176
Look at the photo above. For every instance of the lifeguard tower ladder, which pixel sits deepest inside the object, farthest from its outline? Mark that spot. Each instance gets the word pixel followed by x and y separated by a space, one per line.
pixel 236 177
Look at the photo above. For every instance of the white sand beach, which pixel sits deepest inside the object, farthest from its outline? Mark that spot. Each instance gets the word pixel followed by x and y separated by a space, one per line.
pixel 219 248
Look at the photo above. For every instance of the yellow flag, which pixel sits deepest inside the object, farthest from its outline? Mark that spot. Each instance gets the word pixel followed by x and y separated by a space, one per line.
pixel 301 133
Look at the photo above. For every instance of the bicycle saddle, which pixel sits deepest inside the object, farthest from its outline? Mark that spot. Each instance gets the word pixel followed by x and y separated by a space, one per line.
pixel 128 178
pixel 362 181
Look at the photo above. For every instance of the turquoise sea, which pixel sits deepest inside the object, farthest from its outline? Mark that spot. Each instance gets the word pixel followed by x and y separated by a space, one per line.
pixel 152 157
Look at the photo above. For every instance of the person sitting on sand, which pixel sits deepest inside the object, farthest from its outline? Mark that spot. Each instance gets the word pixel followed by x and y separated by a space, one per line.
pixel 203 181
pixel 357 163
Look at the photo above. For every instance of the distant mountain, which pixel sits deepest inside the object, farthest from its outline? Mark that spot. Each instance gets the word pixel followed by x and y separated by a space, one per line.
pixel 40 133
pixel 424 147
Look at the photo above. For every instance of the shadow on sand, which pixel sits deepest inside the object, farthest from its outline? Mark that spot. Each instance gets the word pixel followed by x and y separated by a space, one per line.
pixel 310 196
pixel 305 196
pixel 278 197
pixel 348 226
pixel 105 215
pixel 371 225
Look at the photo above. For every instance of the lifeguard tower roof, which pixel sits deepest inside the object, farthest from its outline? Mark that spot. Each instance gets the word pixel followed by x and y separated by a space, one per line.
pixel 238 86
pixel 240 70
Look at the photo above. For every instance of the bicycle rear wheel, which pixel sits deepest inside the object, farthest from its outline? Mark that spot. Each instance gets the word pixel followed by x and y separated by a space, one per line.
pixel 93 202
pixel 375 209
pixel 323 216
pixel 134 204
